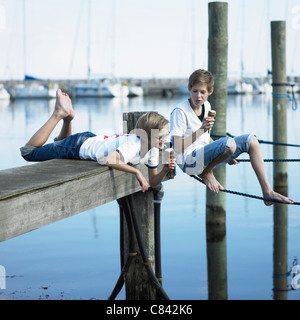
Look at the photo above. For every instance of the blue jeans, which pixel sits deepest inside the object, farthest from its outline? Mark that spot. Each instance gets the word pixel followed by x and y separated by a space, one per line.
pixel 221 146
pixel 200 158
pixel 67 148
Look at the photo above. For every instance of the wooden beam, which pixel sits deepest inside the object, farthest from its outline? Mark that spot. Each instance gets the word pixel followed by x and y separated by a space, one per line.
pixel 35 195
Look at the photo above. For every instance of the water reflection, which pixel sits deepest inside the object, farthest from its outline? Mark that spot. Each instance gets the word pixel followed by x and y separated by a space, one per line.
pixel 216 262
pixel 280 254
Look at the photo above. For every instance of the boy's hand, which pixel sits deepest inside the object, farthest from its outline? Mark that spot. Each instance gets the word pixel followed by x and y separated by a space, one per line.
pixel 170 166
pixel 234 161
pixel 207 123
pixel 142 181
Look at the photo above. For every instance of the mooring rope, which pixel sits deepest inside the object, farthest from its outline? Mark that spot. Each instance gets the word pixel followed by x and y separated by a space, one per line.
pixel 245 194
pixel 271 160
pixel 284 95
pixel 260 141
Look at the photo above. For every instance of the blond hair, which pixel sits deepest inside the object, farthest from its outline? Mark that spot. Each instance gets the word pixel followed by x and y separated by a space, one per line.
pixel 201 77
pixel 151 120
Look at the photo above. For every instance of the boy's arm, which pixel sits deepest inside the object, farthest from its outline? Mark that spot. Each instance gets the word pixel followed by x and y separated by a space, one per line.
pixel 113 161
pixel 180 143
pixel 155 177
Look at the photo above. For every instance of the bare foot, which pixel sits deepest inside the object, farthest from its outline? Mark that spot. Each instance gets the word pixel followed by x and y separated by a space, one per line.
pixel 278 197
pixel 63 106
pixel 211 182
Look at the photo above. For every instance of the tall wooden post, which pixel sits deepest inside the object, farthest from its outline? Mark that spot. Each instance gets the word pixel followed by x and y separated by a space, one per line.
pixel 216 203
pixel 278 35
pixel 217 64
pixel 280 175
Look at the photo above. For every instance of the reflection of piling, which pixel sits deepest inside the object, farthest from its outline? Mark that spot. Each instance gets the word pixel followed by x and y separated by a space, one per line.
pixel 280 255
pixel 217 64
pixel 280 252
pixel 216 262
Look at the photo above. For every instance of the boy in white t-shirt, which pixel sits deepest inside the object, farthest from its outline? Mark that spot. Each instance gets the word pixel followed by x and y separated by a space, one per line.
pixel 116 151
pixel 195 151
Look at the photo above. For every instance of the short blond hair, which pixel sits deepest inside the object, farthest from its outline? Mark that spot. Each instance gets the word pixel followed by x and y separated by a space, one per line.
pixel 201 76
pixel 151 120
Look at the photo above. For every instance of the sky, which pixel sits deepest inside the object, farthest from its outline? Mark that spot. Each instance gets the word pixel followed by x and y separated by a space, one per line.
pixel 137 38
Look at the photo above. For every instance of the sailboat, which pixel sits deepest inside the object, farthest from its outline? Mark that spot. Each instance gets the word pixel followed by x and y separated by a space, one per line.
pixel 4 95
pixel 34 90
pixel 103 85
pixel 32 87
pixel 107 86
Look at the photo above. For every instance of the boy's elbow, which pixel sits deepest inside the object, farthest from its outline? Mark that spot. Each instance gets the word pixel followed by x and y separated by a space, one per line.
pixel 110 160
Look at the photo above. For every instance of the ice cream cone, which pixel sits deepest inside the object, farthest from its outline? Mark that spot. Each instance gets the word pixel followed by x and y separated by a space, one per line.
pixel 211 114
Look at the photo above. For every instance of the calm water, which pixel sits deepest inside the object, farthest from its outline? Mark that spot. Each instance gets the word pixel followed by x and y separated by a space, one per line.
pixel 78 258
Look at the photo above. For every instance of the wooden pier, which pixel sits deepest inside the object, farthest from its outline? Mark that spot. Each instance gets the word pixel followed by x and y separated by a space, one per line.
pixel 35 195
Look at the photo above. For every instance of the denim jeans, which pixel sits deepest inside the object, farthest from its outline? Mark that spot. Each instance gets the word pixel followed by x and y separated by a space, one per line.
pixel 199 159
pixel 221 146
pixel 67 148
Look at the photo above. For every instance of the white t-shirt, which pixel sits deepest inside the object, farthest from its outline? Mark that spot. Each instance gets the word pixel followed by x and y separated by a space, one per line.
pixel 183 123
pixel 128 146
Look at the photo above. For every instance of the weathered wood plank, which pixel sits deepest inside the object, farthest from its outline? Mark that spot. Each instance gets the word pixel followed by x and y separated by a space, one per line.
pixel 39 194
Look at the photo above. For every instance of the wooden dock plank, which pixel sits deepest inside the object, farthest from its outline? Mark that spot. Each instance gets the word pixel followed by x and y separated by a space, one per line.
pixel 35 195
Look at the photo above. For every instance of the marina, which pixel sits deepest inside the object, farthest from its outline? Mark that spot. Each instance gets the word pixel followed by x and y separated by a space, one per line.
pixel 133 87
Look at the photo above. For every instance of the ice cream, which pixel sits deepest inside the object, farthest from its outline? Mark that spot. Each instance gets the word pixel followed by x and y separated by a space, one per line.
pixel 168 157
pixel 211 114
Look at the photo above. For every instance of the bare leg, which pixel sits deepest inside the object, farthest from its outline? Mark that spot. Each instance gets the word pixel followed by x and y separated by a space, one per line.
pixel 258 165
pixel 63 110
pixel 207 175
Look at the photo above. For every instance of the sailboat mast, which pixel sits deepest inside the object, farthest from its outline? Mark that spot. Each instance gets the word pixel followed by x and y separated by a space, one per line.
pixel 24 39
pixel 242 39
pixel 113 37
pixel 89 39
pixel 193 34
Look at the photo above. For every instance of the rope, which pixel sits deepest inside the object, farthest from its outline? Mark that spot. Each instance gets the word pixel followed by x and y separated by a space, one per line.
pixel 245 194
pixel 260 141
pixel 283 95
pixel 271 160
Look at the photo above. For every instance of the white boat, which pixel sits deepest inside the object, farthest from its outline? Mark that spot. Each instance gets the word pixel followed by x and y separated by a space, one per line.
pixel 293 89
pixel 106 87
pixel 239 87
pixel 33 91
pixel 113 88
pixel 4 95
pixel 135 91
pixel 87 89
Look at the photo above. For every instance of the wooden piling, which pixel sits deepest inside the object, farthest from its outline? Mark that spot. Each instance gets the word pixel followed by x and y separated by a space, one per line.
pixel 138 283
pixel 280 173
pixel 217 64
pixel 278 38
pixel 216 203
